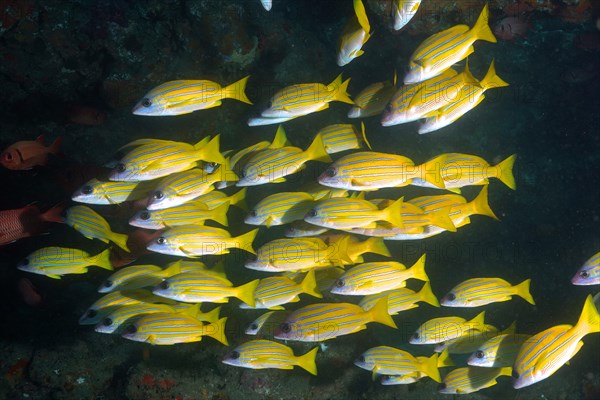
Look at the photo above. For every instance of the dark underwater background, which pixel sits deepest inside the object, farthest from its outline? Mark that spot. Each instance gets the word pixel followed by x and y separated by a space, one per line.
pixel 76 68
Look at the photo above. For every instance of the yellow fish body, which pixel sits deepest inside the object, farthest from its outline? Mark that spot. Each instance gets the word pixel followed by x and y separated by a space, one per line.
pixel 401 299
pixel 55 262
pixel 471 379
pixel 93 226
pixel 273 292
pixel 280 208
pixel 476 292
pixel 442 329
pixel 373 99
pixel 355 35
pixel 346 213
pixel 403 11
pixel 191 213
pixel 342 137
pixel 392 361
pixel 105 193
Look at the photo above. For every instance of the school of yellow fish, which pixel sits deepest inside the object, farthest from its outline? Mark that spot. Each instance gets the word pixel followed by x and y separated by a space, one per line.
pixel 331 224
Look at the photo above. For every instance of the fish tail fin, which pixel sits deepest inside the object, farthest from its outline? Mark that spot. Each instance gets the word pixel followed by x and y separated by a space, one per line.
pixel 237 90
pixel 491 80
pixel 341 90
pixel 444 359
pixel 418 269
pixel 426 295
pixel 53 214
pixel 481 204
pixel 120 239
pixel 430 172
pixel 210 151
pixel 469 78
pixel 216 330
pixel 219 214
pixel 376 245
pixel 481 29
pixel 429 367
pixel 316 151
pixel 380 313
pixel 211 316
pixel 309 284
pixel 308 361
pixel 364 135
pixel 238 199
pixel 361 15
pixel 478 321
pixel 246 292
pixel 504 172
pixel 393 213
pixel 522 289
pixel 280 139
pixel 589 321
pixel 245 241
pixel 442 219
pixel 55 146
pixel 103 260
pixel 172 269
pixel 192 310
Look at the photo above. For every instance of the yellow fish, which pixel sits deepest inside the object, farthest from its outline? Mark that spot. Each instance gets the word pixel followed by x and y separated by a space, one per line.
pixel 392 361
pixel 440 51
pixel 214 199
pixel 476 292
pixel 346 213
pixel 261 354
pixel 471 379
pixel 168 329
pixel 191 213
pixel 499 351
pixel 105 193
pixel 442 329
pixel 280 208
pixel 403 11
pixel 186 96
pixel 93 226
pixel 544 353
pixel 355 35
pixel 55 262
pixel 401 299
pixel 589 273
pixel 342 137
pixel 373 99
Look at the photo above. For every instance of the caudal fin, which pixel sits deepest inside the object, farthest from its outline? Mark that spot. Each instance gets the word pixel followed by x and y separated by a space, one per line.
pixel 504 172
pixel 245 241
pixel 308 361
pixel 522 289
pixel 379 313
pixel 589 321
pixel 426 295
pixel 481 29
pixel 216 330
pixel 309 285
pixel 316 151
pixel 429 366
pixel 491 80
pixel 120 239
pixel 246 292
pixel 219 214
pixel 238 199
pixel 480 204
pixel 442 219
pixel 341 90
pixel 237 90
pixel 102 260
pixel 393 213
pixel 53 214
pixel 418 269
pixel 211 316
pixel 210 152
pixel 376 245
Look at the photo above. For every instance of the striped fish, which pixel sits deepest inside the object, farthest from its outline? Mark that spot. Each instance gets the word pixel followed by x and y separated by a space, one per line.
pixel 346 213
pixel 342 137
pixel 401 379
pixel 325 277
pixel 401 299
pixel 395 111
pixel 459 170
pixel 372 100
pixel 476 292
pixel 442 329
pixel 192 213
pixel 152 158
pixel 499 351
pixel 297 254
pixel 467 100
pixel 589 273
pixel 54 262
pixel 105 193
pixel 111 301
pixel 269 321
pixel 355 35
pixel 274 291
pixel 181 187
pixel 414 217
pixel 186 96
pixel 272 165
pixel 471 379
pixel 135 277
pixel 299 229
pixel 303 99
pixel 262 354
pixel 319 322
pixel 214 199
pixel 198 240
pixel 440 51
pixel 403 11
pixel 369 170
pixel 113 321
pixel 392 361
pixel 280 208
pixel 377 277
pixel 168 329
pixel 470 341
pixel 347 246
pixel 198 287
pixel 93 226
pixel 544 353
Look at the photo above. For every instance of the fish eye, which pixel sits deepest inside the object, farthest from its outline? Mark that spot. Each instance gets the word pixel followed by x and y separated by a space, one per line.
pixel 8 156
pixel 442 386
pixel 252 258
pixel 312 213
pixel 120 167
pixel 285 327
pixel 108 283
pixel 515 375
pixel 145 215
pixel 270 105
pixel 451 296
pixel 416 336
pixel 331 172
pixel 385 378
pixel 479 354
pixel 131 329
pixel 254 327
pixel 339 283
pixel 234 355
pixel 158 195
pixel 584 274
pixel 25 261
pixel 91 313
pixel 388 108
pixel 161 240
pixel 361 359
pixel 87 189
pixel 243 173
pixel 253 213
pixel 164 285
pixel 107 322
pixel 146 102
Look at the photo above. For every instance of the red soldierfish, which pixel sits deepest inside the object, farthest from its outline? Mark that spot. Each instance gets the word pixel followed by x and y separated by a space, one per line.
pixel 29 293
pixel 29 153
pixel 27 221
